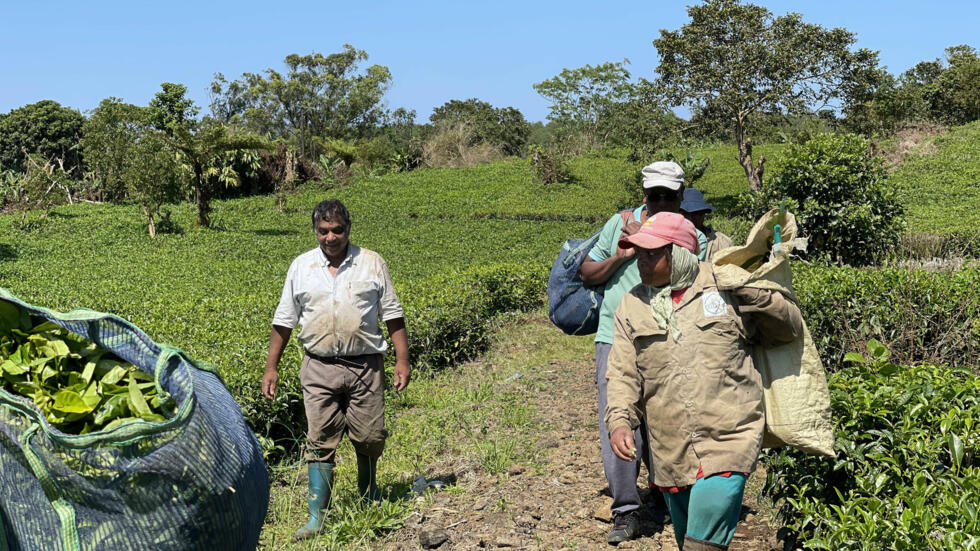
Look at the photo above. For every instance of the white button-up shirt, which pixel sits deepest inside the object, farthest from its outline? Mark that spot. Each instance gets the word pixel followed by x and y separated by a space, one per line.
pixel 338 314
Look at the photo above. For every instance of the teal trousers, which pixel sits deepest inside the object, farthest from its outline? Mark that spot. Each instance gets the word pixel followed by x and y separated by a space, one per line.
pixel 709 510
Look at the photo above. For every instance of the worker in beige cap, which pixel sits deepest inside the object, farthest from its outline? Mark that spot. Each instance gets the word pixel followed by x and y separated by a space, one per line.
pixel 614 268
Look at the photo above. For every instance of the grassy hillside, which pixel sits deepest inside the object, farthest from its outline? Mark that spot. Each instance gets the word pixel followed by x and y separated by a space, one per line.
pixel 940 182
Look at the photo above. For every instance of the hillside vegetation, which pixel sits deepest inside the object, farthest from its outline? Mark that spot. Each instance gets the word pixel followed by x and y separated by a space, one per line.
pixel 941 182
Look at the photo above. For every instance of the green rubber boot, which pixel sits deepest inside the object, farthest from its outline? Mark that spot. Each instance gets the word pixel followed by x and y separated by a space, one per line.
pixel 321 479
pixel 367 473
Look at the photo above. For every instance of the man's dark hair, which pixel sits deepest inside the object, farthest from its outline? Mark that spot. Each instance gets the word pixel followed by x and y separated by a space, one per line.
pixel 330 209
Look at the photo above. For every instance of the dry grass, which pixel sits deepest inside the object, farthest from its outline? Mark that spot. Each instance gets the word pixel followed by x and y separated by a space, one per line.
pixel 912 139
pixel 453 146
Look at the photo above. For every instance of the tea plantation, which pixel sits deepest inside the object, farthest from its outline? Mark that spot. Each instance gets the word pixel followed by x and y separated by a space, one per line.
pixel 468 245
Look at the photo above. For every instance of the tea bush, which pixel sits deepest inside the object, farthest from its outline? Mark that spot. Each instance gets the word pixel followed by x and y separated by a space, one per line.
pixel 907 471
pixel 839 193
pixel 920 315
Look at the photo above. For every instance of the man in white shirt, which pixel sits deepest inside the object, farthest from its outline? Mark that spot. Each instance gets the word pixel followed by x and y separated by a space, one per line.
pixel 336 293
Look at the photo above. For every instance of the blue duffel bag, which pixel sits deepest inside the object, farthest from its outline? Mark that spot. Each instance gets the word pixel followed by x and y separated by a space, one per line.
pixel 573 306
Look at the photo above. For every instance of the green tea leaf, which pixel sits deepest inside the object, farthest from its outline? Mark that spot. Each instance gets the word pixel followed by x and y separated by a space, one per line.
pixel 69 401
pixel 115 370
pixel 12 368
pixel 854 357
pixel 88 371
pixel 45 327
pixel 137 403
pixel 877 350
pixel 956 449
pixel 9 317
pixel 113 408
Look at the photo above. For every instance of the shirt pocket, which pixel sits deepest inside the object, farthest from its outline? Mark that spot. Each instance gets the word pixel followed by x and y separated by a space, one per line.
pixel 650 344
pixel 365 294
pixel 721 352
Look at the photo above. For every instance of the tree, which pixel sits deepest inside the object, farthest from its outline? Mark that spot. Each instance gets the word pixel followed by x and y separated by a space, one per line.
pixel 44 128
pixel 317 96
pixel 581 98
pixel 202 145
pixel 152 175
pixel 131 158
pixel 738 59
pixel 954 97
pixel 170 109
pixel 107 138
pixel 203 150
pixel 504 127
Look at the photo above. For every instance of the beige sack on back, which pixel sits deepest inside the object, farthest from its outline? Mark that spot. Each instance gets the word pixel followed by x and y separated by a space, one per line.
pixel 795 393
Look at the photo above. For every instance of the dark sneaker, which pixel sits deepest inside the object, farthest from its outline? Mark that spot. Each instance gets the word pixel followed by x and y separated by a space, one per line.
pixel 625 526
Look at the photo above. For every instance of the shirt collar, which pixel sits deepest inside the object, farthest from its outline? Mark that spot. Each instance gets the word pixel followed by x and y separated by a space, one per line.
pixel 352 251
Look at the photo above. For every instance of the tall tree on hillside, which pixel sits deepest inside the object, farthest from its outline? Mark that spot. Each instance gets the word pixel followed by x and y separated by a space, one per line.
pixel 202 145
pixel 203 152
pixel 170 108
pixel 44 128
pixel 954 95
pixel 107 139
pixel 317 96
pixel 581 98
pixel 739 59
pixel 132 159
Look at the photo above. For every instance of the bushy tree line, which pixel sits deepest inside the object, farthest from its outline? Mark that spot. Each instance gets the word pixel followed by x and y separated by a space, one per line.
pixel 944 91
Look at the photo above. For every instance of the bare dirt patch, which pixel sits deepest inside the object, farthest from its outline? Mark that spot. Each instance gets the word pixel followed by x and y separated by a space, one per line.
pixel 560 500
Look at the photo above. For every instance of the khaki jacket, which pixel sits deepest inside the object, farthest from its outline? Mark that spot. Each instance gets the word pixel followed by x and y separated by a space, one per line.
pixel 716 242
pixel 701 396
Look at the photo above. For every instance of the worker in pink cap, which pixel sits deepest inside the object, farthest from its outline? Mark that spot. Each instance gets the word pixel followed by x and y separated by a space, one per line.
pixel 681 359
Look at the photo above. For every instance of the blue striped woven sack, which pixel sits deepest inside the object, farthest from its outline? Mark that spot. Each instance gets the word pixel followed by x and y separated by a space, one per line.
pixel 194 481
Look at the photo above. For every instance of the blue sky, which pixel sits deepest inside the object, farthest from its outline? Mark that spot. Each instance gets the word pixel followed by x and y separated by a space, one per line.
pixel 78 53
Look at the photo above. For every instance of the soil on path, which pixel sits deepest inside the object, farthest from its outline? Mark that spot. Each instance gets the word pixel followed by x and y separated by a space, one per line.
pixel 561 501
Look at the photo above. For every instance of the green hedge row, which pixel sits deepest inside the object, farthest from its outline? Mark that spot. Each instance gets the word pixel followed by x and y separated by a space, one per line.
pixel 450 318
pixel 907 472
pixel 920 315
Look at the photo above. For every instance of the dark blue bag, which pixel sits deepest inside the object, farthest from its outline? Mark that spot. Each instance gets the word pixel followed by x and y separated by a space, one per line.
pixel 573 306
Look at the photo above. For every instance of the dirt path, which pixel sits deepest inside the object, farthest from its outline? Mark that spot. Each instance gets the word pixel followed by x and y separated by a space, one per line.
pixel 560 502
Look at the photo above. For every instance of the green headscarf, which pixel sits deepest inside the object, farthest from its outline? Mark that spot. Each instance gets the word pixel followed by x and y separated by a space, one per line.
pixel 683 272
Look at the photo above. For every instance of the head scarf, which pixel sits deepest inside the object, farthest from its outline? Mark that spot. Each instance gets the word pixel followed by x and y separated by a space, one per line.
pixel 683 271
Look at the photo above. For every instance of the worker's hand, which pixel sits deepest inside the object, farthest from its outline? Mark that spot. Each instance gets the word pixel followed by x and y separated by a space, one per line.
pixel 631 228
pixel 403 374
pixel 269 382
pixel 628 229
pixel 621 441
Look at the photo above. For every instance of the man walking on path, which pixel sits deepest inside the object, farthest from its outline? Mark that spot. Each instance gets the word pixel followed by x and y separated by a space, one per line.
pixel 695 208
pixel 336 293
pixel 615 268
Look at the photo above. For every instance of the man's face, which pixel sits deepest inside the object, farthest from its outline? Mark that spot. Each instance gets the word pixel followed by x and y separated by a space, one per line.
pixel 696 218
pixel 654 265
pixel 333 236
pixel 661 199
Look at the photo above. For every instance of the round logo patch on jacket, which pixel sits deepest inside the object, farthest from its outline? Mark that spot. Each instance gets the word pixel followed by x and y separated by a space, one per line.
pixel 713 304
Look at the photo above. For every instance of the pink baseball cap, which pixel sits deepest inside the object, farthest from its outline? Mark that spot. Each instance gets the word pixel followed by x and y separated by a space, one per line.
pixel 662 229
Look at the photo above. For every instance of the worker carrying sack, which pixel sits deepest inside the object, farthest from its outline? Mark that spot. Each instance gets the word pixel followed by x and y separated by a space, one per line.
pixel 573 306
pixel 795 392
pixel 196 480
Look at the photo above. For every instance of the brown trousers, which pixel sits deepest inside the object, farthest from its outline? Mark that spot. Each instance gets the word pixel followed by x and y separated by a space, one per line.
pixel 344 395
